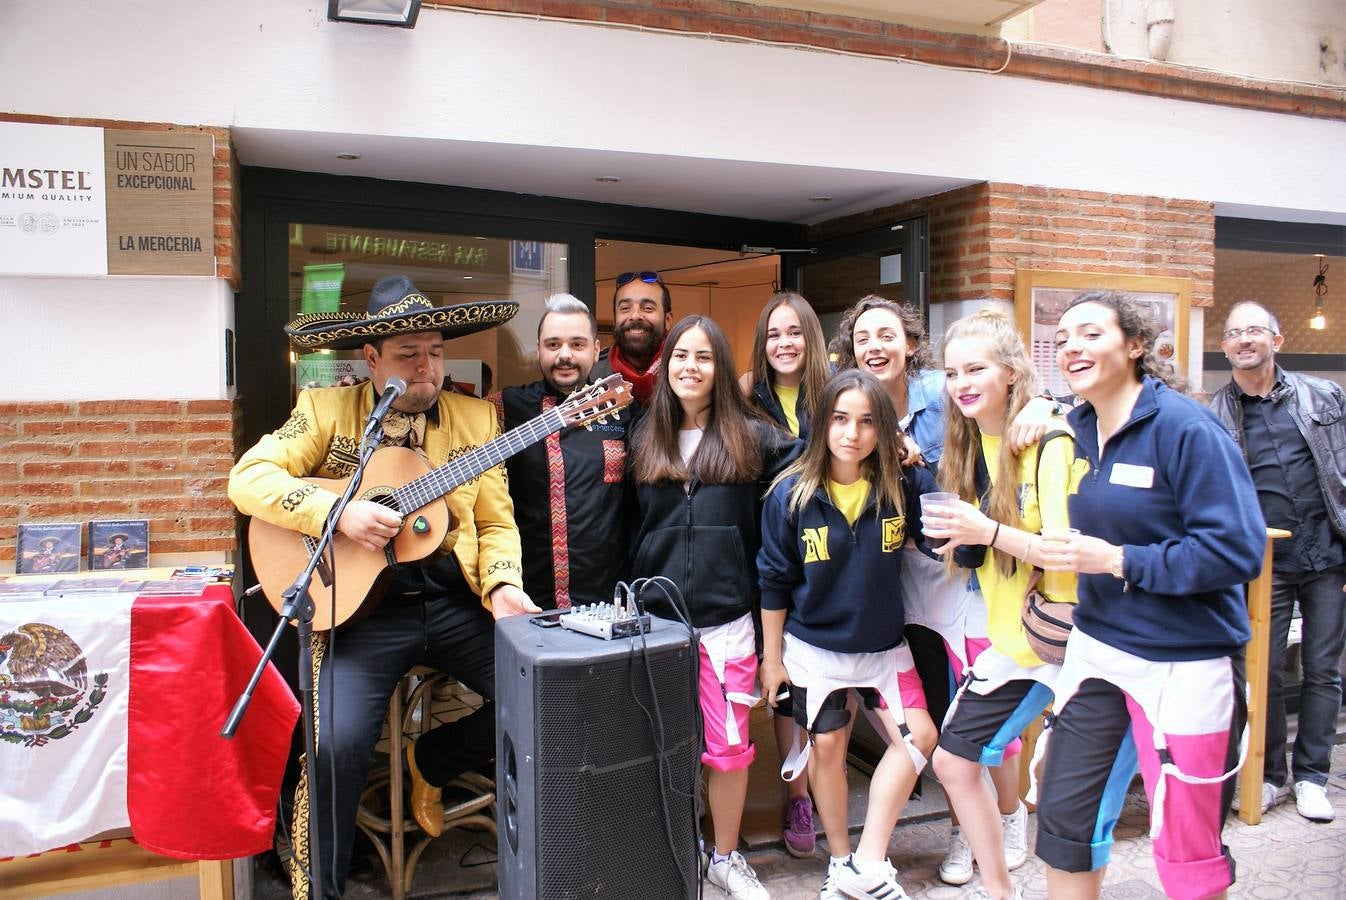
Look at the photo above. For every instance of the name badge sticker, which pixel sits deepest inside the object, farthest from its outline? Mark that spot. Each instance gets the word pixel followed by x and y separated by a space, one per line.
pixel 1128 475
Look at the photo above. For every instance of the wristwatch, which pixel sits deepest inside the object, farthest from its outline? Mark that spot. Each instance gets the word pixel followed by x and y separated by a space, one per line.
pixel 1116 569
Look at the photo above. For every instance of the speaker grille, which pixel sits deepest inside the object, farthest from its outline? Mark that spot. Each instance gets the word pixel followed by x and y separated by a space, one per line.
pixel 612 729
pixel 599 778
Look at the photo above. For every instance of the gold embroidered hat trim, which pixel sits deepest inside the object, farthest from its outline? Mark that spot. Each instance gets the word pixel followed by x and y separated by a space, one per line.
pixel 396 307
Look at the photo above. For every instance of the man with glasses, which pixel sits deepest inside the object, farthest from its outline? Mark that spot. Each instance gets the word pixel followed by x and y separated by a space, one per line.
pixel 1292 430
pixel 642 313
pixel 567 489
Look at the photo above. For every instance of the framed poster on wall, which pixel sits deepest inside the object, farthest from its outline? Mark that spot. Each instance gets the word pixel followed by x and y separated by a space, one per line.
pixel 1040 296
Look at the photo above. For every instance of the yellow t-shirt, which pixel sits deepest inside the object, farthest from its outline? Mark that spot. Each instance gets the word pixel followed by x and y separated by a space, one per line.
pixel 788 397
pixel 1040 506
pixel 849 498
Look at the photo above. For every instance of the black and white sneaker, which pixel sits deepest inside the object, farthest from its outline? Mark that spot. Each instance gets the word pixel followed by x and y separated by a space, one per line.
pixel 869 880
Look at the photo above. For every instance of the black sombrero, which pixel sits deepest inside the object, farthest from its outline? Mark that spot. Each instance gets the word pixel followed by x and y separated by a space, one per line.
pixel 112 537
pixel 49 541
pixel 396 307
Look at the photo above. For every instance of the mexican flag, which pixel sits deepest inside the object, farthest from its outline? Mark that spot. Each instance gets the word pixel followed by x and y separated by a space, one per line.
pixel 110 712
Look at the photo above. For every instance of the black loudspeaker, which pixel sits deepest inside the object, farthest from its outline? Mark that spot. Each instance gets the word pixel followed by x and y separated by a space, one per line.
pixel 580 807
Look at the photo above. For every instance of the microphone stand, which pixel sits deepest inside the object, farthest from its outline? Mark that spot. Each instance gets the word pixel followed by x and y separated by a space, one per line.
pixel 298 605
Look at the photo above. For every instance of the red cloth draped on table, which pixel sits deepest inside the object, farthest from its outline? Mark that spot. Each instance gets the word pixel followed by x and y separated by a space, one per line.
pixel 110 712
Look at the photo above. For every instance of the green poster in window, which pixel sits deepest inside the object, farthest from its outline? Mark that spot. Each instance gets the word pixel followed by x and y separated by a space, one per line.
pixel 322 287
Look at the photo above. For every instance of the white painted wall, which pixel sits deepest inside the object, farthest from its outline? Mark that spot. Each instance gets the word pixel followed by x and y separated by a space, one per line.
pixel 114 338
pixel 1298 40
pixel 460 77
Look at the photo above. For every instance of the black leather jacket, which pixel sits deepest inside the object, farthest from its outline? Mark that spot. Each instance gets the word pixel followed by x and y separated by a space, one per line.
pixel 1319 410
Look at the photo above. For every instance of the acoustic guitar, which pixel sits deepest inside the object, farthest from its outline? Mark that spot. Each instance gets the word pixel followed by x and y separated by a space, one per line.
pixel 353 577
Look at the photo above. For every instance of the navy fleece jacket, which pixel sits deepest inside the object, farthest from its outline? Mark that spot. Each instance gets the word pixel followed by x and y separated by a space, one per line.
pixel 838 583
pixel 1174 492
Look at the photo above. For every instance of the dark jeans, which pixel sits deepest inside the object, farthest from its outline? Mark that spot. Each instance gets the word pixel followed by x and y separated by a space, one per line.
pixel 454 635
pixel 1323 607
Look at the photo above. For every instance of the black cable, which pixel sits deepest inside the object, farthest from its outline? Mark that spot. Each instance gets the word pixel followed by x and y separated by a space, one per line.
pixel 656 725
pixel 679 606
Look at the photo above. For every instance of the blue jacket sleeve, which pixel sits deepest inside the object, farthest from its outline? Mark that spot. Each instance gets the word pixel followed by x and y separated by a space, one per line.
pixel 1223 532
pixel 917 480
pixel 779 568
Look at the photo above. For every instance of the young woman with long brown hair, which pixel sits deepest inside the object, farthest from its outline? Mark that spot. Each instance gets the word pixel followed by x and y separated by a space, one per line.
pixel 789 368
pixel 702 460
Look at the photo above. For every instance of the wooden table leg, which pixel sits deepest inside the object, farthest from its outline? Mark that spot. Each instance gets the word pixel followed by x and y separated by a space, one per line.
pixel 1256 660
pixel 216 879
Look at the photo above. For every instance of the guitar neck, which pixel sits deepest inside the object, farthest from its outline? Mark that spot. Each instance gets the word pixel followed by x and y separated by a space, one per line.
pixel 435 484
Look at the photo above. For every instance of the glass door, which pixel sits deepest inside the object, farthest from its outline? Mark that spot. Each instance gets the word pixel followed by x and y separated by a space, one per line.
pixel 333 267
pixel 891 261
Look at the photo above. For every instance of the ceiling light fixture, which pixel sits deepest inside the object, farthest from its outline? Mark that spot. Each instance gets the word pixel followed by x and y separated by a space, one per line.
pixel 608 179
pixel 348 156
pixel 821 198
pixel 401 13
pixel 1319 320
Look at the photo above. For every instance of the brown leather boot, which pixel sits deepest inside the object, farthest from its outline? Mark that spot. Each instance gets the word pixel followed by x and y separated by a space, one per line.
pixel 427 804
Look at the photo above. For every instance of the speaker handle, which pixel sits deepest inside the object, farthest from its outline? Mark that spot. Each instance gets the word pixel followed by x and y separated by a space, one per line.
pixel 510 795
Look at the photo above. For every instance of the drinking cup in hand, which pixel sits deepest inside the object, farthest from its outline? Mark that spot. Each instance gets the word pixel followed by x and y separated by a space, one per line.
pixel 929 502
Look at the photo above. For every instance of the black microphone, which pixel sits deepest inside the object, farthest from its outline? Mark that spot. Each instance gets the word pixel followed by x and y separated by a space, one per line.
pixel 395 388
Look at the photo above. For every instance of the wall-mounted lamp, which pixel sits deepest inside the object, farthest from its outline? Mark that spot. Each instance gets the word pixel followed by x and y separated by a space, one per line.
pixel 375 12
pixel 1319 321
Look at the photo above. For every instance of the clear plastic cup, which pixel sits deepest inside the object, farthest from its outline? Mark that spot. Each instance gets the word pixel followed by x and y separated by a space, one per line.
pixel 933 499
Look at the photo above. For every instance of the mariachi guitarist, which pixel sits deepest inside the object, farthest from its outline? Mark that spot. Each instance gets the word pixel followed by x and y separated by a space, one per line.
pixel 437 614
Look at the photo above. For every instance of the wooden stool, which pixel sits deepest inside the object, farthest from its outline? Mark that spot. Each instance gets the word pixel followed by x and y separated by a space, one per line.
pixel 382 814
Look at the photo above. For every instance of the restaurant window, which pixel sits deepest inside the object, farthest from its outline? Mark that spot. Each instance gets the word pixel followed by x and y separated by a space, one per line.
pixel 333 267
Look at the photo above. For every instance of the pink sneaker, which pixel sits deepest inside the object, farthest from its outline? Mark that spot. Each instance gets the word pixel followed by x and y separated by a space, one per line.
pixel 800 837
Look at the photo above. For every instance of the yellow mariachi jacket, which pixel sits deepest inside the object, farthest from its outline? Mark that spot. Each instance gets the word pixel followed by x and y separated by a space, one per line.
pixel 322 438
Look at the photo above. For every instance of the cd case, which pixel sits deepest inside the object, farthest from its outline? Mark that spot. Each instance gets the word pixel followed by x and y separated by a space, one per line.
pixel 119 544
pixel 48 549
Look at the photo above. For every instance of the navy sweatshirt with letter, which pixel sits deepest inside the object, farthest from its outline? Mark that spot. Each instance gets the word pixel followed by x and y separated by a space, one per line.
pixel 1174 492
pixel 838 583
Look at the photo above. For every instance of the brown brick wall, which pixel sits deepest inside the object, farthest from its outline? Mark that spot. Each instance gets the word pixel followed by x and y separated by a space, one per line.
pixel 228 202
pixel 162 460
pixel 855 35
pixel 980 235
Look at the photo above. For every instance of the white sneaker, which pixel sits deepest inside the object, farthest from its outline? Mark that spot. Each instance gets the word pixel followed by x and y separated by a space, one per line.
pixel 1271 796
pixel 957 865
pixel 736 878
pixel 869 880
pixel 1312 803
pixel 981 893
pixel 1016 837
pixel 829 890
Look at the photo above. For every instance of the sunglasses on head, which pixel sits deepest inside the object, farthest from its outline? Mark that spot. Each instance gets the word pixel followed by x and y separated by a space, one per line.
pixel 628 277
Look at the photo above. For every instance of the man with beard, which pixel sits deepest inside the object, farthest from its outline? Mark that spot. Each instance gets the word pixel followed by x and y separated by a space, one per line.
pixel 437 612
pixel 642 313
pixel 567 490
pixel 1293 435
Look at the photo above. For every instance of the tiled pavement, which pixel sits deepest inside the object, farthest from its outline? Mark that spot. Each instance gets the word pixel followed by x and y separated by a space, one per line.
pixel 1284 857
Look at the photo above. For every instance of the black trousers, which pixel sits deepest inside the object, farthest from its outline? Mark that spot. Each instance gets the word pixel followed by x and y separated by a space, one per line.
pixel 453 634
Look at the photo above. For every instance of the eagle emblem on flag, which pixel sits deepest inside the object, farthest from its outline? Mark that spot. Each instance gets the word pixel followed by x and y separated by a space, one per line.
pixel 45 691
